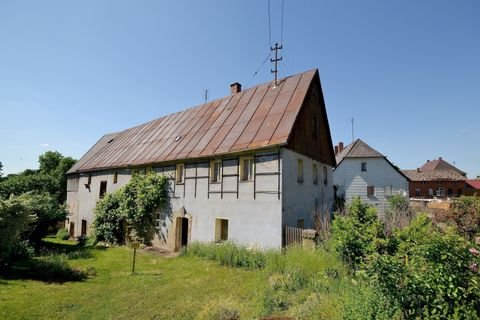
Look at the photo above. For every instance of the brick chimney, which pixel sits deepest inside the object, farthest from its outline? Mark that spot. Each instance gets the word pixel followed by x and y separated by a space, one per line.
pixel 336 150
pixel 340 147
pixel 235 88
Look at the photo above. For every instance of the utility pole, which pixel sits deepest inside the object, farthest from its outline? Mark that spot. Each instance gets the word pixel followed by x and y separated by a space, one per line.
pixel 276 60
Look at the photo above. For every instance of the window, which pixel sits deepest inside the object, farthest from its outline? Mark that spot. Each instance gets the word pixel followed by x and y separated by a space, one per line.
pixel 370 191
pixel 300 170
pixel 246 168
pixel 215 170
pixel 301 223
pixel 84 228
pixel 89 181
pixel 450 192
pixel 325 176
pixel 103 188
pixel 221 230
pixel 364 166
pixel 115 177
pixel 440 192
pixel 418 193
pixel 430 192
pixel 179 173
pixel 315 173
pixel 388 191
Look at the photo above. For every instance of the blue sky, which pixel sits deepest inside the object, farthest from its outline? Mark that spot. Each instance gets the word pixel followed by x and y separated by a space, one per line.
pixel 407 71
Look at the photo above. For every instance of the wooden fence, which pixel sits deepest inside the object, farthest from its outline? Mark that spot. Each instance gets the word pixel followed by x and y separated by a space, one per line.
pixel 292 235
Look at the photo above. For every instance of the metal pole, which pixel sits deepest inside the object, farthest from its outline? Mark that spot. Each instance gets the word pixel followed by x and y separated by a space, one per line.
pixel 133 265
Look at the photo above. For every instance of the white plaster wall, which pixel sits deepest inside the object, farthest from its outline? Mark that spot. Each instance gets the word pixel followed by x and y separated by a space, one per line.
pixel 301 198
pixel 352 182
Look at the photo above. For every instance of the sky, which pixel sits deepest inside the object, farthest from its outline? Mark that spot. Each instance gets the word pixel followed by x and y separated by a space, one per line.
pixel 407 72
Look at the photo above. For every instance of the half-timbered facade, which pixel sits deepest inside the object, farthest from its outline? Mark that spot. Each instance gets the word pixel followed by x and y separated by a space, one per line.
pixel 240 168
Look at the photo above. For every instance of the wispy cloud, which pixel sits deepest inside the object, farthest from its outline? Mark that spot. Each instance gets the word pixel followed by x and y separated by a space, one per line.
pixel 45 145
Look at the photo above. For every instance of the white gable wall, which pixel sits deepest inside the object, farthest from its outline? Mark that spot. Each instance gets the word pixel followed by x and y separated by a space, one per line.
pixel 352 182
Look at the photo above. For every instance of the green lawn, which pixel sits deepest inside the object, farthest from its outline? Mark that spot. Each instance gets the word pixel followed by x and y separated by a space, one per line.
pixel 163 288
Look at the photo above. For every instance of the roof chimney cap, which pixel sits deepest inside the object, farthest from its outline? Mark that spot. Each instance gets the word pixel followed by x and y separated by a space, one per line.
pixel 439 158
pixel 235 88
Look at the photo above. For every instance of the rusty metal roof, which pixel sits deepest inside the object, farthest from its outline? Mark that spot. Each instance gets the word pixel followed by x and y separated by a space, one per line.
pixel 255 118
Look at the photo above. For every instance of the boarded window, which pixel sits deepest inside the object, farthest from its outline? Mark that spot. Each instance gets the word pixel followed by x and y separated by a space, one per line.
pixel 221 230
pixel 364 166
pixel 216 170
pixel 103 188
pixel 72 183
pixel 246 168
pixel 300 170
pixel 180 173
pixel 370 191
pixel 115 177
pixel 315 173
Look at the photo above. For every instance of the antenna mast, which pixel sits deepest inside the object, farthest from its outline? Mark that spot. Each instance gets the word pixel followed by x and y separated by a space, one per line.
pixel 353 137
pixel 276 60
pixel 206 95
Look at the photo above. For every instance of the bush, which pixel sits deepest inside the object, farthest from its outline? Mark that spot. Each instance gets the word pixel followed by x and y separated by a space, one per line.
pixel 432 273
pixel 358 234
pixel 63 234
pixel 16 215
pixel 131 208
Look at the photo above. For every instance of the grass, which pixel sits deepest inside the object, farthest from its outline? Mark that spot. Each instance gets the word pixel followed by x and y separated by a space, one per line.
pixel 207 282
pixel 163 288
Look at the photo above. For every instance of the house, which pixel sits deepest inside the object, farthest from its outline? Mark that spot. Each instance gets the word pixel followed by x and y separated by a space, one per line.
pixel 472 187
pixel 240 168
pixel 436 178
pixel 364 172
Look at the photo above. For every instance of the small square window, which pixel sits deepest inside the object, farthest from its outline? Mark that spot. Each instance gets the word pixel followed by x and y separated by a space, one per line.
pixel 315 173
pixel 300 170
pixel 179 173
pixel 370 191
pixel 364 166
pixel 221 230
pixel 215 170
pixel 246 168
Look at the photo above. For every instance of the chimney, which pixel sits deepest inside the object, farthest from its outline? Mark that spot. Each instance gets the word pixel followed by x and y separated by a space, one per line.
pixel 418 169
pixel 336 150
pixel 340 147
pixel 235 88
pixel 439 158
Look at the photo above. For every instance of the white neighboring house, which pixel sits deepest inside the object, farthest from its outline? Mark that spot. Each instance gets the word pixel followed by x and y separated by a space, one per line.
pixel 240 168
pixel 364 172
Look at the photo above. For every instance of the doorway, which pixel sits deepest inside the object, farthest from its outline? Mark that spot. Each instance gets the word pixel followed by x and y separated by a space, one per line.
pixel 84 228
pixel 72 230
pixel 182 233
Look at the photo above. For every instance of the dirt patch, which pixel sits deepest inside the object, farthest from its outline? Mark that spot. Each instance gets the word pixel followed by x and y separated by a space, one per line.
pixel 161 252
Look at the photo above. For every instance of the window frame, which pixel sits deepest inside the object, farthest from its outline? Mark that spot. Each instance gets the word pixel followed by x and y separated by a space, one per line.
pixel 250 175
pixel 216 178
pixel 363 166
pixel 370 191
pixel 180 173
pixel 221 229
pixel 300 174
pixel 102 191
pixel 115 177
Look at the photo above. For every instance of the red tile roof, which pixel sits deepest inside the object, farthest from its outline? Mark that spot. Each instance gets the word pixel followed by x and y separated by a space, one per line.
pixel 440 164
pixel 474 183
pixel 258 117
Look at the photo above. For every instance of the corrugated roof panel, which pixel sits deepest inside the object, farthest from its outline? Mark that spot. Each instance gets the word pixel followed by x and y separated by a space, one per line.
pixel 256 117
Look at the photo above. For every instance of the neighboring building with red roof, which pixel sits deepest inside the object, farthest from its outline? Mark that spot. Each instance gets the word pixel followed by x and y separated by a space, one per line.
pixel 436 178
pixel 240 168
pixel 472 187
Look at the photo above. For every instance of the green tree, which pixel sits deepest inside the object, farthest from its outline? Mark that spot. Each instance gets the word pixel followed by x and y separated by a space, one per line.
pixel 16 217
pixel 49 161
pixel 1 170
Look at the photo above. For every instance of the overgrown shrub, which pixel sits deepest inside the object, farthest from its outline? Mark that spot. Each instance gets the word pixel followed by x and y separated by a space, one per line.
pixel 432 273
pixel 62 234
pixel 16 215
pixel 465 213
pixel 358 234
pixel 130 209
